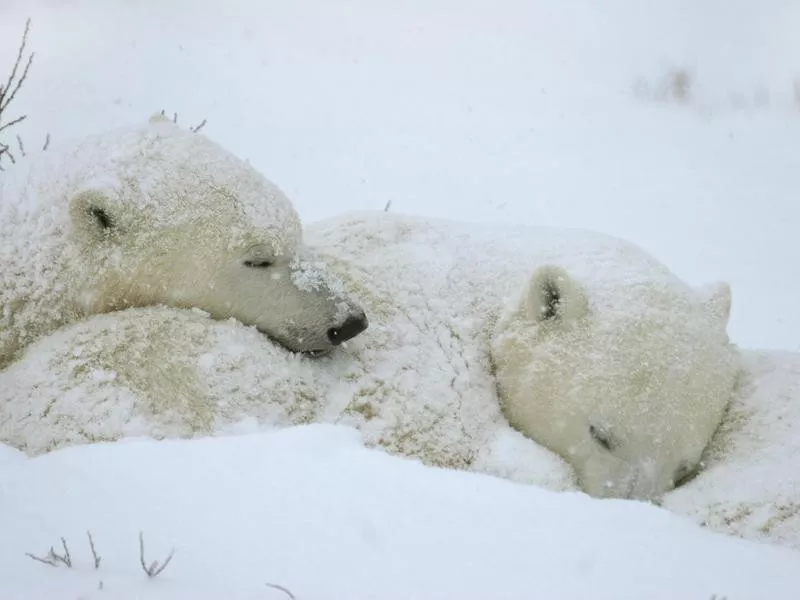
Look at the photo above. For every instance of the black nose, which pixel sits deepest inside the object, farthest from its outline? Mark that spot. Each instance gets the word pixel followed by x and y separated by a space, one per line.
pixel 348 330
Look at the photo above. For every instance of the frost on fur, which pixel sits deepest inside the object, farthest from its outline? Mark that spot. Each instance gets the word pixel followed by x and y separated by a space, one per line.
pixel 155 215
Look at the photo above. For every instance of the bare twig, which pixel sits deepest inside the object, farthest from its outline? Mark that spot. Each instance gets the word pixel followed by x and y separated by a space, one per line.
pixel 13 122
pixel 96 557
pixel 46 559
pixel 21 146
pixel 155 568
pixel 9 89
pixel 281 588
pixel 198 127
pixel 53 558
pixel 65 558
pixel 192 128
pixel 46 142
pixel 388 206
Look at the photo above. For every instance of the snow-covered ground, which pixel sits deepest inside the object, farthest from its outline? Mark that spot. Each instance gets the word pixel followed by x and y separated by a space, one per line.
pixel 670 123
pixel 311 510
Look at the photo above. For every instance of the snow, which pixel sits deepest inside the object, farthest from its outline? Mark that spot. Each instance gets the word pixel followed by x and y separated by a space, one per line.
pixel 311 510
pixel 544 113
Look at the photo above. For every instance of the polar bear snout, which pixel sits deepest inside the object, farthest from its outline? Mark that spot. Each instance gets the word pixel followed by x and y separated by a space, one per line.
pixel 352 326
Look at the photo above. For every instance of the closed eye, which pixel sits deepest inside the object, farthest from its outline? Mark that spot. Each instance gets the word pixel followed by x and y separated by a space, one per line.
pixel 102 217
pixel 602 437
pixel 685 473
pixel 257 264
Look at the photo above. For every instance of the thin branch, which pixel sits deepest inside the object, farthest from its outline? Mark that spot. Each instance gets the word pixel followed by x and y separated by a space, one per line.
pixel 12 123
pixel 155 569
pixel 141 553
pixel 67 560
pixel 97 558
pixel 192 128
pixel 9 89
pixel 198 127
pixel 5 97
pixel 53 558
pixel 5 150
pixel 281 588
pixel 46 560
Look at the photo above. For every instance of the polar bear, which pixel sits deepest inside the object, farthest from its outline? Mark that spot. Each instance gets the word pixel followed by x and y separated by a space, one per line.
pixel 629 388
pixel 420 382
pixel 601 354
pixel 156 214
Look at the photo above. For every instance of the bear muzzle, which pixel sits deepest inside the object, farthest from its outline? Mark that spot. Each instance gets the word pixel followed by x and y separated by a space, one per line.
pixel 352 326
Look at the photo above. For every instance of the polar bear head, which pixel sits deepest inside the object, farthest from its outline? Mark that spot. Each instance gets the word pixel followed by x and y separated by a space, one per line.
pixel 161 215
pixel 627 379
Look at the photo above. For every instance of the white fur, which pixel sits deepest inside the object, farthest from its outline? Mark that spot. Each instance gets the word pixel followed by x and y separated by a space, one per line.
pixel 626 375
pixel 633 351
pixel 750 485
pixel 154 371
pixel 419 382
pixel 155 215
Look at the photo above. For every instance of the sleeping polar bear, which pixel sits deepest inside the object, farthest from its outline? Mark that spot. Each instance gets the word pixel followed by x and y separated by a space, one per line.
pixel 601 355
pixel 155 214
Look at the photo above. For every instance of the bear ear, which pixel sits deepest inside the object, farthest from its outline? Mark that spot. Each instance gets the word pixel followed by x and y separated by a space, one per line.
pixel 90 214
pixel 554 297
pixel 716 298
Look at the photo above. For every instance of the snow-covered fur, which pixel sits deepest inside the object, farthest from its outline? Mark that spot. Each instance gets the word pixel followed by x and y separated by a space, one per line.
pixel 419 382
pixel 166 372
pixel 155 214
pixel 750 485
pixel 153 371
pixel 617 366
